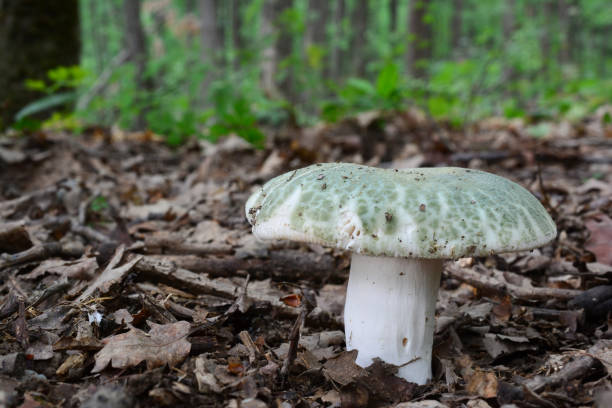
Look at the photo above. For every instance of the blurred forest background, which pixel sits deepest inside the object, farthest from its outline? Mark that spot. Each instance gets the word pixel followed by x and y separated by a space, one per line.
pixel 208 68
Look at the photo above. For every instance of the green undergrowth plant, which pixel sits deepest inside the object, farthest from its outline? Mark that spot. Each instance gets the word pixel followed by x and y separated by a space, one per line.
pixel 386 93
pixel 58 93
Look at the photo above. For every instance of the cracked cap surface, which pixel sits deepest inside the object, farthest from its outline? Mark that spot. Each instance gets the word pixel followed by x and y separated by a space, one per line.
pixel 443 212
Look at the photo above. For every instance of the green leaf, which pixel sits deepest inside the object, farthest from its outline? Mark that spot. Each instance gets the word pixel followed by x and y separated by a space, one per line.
pixel 388 80
pixel 438 106
pixel 45 103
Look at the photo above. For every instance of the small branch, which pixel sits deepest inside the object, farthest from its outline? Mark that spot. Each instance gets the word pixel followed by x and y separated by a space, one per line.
pixel 167 272
pixel 250 345
pixel 493 280
pixel 308 304
pixel 103 79
pixel 287 265
pixel 173 246
pixel 294 339
pixel 577 368
pixel 50 291
pixel 35 253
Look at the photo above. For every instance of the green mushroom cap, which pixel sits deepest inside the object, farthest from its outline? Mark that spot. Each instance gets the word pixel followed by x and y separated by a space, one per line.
pixel 429 213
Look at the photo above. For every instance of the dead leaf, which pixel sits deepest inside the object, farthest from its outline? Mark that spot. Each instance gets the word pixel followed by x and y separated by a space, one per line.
pixel 83 269
pixel 87 343
pixel 292 300
pixel 234 366
pixel 498 345
pixel 122 316
pixel 164 344
pixel 503 310
pixel 422 404
pixel 203 371
pixel 602 350
pixel 343 369
pixel 600 241
pixel 481 383
pixel 39 351
pixel 111 275
pixel 383 383
pixel 477 382
pixel 73 361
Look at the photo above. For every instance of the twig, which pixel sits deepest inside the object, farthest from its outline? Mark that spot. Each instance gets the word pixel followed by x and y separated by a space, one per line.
pixel 35 253
pixel 89 233
pixel 21 327
pixel 250 345
pixel 577 368
pixel 294 339
pixel 103 79
pixel 531 394
pixel 308 305
pixel 50 291
pixel 173 246
pixel 288 265
pixel 493 280
pixel 10 207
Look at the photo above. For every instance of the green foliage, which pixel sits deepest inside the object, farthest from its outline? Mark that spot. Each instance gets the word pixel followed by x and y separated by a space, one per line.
pixel 515 59
pixel 387 93
pixel 98 204
pixel 233 114
pixel 45 103
pixel 59 90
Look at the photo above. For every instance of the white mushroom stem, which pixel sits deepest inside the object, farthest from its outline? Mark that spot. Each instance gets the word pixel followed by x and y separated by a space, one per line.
pixel 390 311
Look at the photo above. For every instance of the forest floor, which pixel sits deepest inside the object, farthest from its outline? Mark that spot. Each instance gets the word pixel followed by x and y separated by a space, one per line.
pixel 129 275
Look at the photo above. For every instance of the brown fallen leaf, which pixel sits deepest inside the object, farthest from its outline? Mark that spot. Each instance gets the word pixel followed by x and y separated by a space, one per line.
pixel 343 369
pixel 602 350
pixel 83 269
pixel 87 343
pixel 72 361
pixel 111 275
pixel 293 300
pixel 600 241
pixel 164 344
pixel 477 382
pixel 481 383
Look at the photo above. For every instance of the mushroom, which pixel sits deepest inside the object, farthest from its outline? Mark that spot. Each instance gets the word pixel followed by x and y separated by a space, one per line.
pixel 400 226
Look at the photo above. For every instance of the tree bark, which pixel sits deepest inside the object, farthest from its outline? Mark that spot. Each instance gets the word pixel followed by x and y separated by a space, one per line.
pixel 419 52
pixel 279 47
pixel 456 27
pixel 135 44
pixel 35 36
pixel 335 52
pixel 318 12
pixel 564 23
pixel 358 46
pixel 508 22
pixel 393 16
pixel 210 40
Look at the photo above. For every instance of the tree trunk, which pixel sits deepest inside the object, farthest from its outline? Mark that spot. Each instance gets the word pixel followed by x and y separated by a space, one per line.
pixel 564 24
pixel 456 27
pixel 135 44
pixel 358 46
pixel 318 12
pixel 393 16
pixel 210 40
pixel 419 52
pixel 547 12
pixel 35 36
pixel 335 51
pixel 508 22
pixel 278 48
